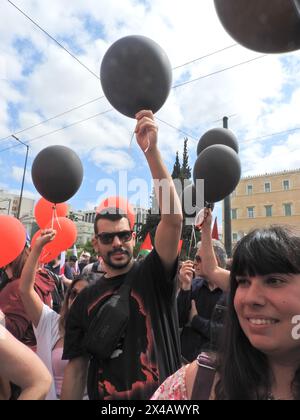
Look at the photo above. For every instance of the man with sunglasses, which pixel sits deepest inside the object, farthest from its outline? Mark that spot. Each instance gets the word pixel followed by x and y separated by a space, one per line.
pixel 148 351
pixel 198 301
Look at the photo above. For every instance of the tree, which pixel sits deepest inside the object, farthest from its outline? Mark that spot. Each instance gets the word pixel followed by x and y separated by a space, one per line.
pixel 176 168
pixel 152 219
pixel 88 247
pixel 185 172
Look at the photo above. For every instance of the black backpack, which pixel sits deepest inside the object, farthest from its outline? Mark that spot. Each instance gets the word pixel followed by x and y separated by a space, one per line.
pixel 110 323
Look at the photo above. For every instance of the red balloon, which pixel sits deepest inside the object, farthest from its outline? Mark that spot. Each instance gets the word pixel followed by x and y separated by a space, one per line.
pixel 66 233
pixel 44 212
pixel 119 203
pixel 49 252
pixel 12 239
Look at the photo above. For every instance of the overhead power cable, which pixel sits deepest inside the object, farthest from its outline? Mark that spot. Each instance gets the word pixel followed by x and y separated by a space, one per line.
pixel 54 40
pixel 218 71
pixel 57 130
pixel 52 118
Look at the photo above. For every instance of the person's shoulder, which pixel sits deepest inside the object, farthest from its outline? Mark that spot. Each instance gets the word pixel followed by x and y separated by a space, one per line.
pixel 174 387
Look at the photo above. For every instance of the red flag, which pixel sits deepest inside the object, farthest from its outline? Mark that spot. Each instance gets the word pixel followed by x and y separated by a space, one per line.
pixel 147 244
pixel 180 246
pixel 215 233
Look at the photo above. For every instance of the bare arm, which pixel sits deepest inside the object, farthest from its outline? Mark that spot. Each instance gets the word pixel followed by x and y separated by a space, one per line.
pixel 21 366
pixel 217 275
pixel 31 300
pixel 75 379
pixel 169 229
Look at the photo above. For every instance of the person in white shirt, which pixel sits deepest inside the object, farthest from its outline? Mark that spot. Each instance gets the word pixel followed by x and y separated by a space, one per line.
pixel 47 324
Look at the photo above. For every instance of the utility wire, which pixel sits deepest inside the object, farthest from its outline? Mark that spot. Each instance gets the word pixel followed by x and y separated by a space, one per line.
pixel 218 71
pixel 73 56
pixel 54 40
pixel 204 56
pixel 271 135
pixel 177 129
pixel 57 130
pixel 52 118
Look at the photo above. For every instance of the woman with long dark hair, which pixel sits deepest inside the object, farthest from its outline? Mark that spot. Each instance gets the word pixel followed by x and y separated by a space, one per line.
pixel 16 319
pixel 49 327
pixel 260 357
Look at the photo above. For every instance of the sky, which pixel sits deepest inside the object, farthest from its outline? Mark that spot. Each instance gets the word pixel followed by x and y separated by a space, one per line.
pixel 39 80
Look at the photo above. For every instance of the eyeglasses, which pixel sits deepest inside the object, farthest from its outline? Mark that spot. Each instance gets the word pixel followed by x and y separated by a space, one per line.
pixel 107 238
pixel 198 259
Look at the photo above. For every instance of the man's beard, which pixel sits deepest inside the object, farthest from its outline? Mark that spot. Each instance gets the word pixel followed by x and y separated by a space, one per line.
pixel 120 265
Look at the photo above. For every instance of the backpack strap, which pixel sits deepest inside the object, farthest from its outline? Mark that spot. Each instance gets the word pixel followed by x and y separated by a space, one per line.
pixel 126 285
pixel 204 379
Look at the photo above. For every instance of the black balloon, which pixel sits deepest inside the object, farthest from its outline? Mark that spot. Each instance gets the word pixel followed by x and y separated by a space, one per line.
pixel 220 168
pixel 218 136
pixel 268 26
pixel 57 173
pixel 136 74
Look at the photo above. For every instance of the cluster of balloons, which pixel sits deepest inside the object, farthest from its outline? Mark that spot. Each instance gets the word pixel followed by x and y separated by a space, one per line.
pixel 262 25
pixel 49 215
pixel 12 239
pixel 218 165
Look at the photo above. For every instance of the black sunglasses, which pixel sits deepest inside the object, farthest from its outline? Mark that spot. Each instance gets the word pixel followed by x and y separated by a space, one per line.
pixel 107 238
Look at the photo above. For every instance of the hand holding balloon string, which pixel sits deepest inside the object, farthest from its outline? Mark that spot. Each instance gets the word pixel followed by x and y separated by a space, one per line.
pixel 47 235
pixel 146 131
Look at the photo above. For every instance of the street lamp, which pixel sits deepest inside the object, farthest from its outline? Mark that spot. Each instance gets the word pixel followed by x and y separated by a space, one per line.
pixel 24 172
pixel 227 214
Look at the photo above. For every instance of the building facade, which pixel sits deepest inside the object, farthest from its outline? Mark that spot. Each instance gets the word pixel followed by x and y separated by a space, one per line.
pixel 264 200
pixel 9 204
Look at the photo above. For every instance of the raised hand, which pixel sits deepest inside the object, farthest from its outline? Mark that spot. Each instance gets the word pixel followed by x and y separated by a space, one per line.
pixel 47 235
pixel 186 275
pixel 146 131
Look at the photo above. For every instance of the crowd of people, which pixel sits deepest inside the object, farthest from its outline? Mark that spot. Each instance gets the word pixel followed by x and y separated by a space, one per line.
pixel 115 328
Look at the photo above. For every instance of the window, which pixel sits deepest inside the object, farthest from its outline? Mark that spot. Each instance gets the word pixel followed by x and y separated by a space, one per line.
pixel 287 209
pixel 250 212
pixel 233 214
pixel 234 237
pixel 249 189
pixel 268 211
pixel 267 187
pixel 286 185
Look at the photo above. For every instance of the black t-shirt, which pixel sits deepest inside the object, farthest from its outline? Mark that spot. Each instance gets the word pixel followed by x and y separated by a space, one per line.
pixel 151 348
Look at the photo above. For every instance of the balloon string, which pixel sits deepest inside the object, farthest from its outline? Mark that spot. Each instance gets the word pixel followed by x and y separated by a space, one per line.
pixel 53 215
pixel 191 241
pixel 56 217
pixel 148 145
pixel 130 144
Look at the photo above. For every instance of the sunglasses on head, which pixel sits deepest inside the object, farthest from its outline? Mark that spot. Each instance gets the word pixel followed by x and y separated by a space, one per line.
pixel 198 259
pixel 107 238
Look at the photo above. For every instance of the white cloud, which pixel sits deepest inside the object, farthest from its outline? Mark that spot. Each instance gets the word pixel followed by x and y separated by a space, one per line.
pixel 112 161
pixel 264 94
pixel 17 174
